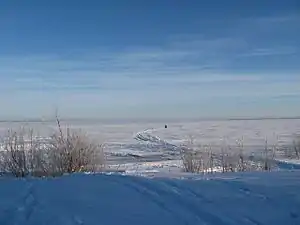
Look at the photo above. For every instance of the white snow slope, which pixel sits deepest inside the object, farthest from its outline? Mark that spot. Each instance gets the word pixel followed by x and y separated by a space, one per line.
pixel 249 198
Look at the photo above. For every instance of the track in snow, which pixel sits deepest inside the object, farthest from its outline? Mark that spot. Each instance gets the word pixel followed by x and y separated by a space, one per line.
pixel 250 198
pixel 21 210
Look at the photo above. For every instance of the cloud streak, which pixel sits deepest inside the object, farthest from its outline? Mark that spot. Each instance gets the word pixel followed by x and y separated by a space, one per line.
pixel 271 52
pixel 194 70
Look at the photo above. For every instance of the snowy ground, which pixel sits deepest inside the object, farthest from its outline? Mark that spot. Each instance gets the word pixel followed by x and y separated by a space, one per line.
pixel 224 199
pixel 151 187
pixel 137 146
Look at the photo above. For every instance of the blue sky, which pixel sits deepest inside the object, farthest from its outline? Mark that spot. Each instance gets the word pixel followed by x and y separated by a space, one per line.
pixel 149 59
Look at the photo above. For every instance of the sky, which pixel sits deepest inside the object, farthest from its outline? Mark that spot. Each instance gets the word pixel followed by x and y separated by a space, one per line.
pixel 149 59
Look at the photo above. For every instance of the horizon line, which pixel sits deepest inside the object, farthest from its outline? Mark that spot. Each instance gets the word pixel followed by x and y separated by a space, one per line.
pixel 122 120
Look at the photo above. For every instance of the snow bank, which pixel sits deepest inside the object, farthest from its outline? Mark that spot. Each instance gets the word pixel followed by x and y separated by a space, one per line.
pixel 288 164
pixel 257 198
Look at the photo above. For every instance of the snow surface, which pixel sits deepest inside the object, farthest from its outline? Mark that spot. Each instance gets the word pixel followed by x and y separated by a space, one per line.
pixel 249 198
pixel 159 192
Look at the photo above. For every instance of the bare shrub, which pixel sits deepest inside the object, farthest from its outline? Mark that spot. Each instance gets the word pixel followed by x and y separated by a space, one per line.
pixel 241 161
pixel 296 147
pixel 74 151
pixel 192 160
pixel 292 151
pixel 202 159
pixel 225 158
pixel 14 155
pixel 237 160
pixel 197 159
pixel 208 159
pixel 269 155
pixel 229 161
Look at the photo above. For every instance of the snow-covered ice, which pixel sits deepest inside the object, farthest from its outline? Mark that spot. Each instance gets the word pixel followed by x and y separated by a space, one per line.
pixel 133 145
pixel 146 185
pixel 227 199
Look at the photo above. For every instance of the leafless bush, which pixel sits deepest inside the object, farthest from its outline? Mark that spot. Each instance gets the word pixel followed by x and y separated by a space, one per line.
pixel 20 155
pixel 296 146
pixel 241 161
pixel 269 156
pixel 24 155
pixel 229 161
pixel 192 160
pixel 226 158
pixel 199 159
pixel 74 152
pixel 13 157
pixel 292 151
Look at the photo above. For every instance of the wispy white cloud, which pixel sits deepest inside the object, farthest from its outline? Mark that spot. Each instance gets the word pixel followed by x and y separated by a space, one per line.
pixel 189 54
pixel 160 61
pixel 270 51
pixel 186 69
pixel 198 58
pixel 184 62
pixel 275 19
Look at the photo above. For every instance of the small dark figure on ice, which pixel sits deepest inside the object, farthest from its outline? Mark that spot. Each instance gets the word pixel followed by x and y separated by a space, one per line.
pixel 166 126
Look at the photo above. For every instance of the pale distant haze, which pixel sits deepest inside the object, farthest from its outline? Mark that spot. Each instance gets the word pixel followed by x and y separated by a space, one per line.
pixel 149 59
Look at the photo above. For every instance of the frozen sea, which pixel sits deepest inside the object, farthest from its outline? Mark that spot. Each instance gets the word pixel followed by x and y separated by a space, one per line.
pixel 150 142
pixel 165 197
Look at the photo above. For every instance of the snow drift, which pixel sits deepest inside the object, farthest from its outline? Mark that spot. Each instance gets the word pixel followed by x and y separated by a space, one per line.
pixel 248 198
